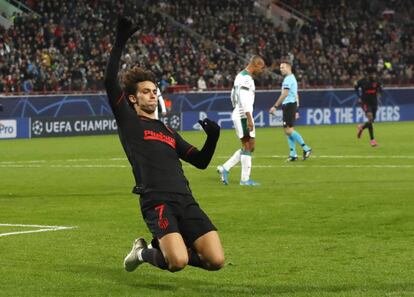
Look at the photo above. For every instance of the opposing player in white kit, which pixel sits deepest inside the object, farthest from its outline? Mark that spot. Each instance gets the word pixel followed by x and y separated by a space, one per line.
pixel 242 98
pixel 161 103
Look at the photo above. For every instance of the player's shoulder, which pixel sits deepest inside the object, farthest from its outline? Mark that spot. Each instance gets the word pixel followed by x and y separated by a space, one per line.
pixel 244 78
pixel 292 77
pixel 289 79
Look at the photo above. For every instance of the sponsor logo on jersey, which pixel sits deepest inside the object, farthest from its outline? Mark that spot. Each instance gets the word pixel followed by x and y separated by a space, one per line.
pixel 159 136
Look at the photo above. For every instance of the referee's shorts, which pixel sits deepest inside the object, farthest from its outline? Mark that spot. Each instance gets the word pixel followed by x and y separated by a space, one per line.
pixel 289 114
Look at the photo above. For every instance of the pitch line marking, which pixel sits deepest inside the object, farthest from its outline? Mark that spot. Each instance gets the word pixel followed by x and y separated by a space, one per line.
pixel 43 228
pixel 41 162
pixel 335 157
pixel 85 166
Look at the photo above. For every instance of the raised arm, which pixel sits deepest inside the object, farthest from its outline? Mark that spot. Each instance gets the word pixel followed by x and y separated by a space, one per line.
pixel 124 31
pixel 201 158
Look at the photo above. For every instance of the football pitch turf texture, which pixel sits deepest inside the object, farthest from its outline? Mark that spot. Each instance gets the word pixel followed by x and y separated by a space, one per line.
pixel 338 224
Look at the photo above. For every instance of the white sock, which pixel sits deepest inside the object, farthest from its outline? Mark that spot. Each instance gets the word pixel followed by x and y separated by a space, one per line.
pixel 140 255
pixel 232 161
pixel 246 162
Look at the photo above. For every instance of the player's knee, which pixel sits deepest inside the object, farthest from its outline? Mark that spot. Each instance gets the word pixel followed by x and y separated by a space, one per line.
pixel 216 263
pixel 177 263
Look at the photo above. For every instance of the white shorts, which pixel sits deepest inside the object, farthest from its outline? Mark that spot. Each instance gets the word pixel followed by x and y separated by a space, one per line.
pixel 240 125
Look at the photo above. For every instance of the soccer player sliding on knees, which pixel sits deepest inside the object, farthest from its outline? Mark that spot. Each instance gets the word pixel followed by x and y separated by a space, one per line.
pixel 182 233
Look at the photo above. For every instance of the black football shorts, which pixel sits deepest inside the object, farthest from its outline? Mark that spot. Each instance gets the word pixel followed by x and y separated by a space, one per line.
pixel 370 108
pixel 166 213
pixel 289 114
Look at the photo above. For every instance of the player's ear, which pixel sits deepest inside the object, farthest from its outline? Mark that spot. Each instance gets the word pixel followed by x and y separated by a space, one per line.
pixel 132 99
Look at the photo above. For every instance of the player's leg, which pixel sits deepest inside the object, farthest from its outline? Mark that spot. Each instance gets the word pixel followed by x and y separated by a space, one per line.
pixel 171 253
pixel 201 236
pixel 174 251
pixel 210 251
pixel 249 144
pixel 224 169
pixel 288 121
pixel 368 124
pixel 371 118
pixel 293 156
pixel 289 124
pixel 299 139
pixel 161 220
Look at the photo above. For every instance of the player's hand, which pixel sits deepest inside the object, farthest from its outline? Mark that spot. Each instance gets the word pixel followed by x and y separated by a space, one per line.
pixel 250 126
pixel 124 30
pixel 211 127
pixel 272 109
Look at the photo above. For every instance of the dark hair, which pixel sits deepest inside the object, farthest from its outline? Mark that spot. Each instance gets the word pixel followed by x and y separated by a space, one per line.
pixel 371 70
pixel 134 76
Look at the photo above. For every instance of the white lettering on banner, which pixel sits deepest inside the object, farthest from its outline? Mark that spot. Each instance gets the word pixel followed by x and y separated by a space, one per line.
pixel 226 117
pixel 8 129
pixel 384 114
pixel 58 127
pixel 259 120
pixel 276 119
pixel 349 115
pixel 318 116
pixel 344 115
pixel 94 125
pixel 360 116
pixel 388 114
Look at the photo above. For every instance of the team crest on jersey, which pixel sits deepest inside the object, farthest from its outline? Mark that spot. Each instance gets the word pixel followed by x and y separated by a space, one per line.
pixel 163 223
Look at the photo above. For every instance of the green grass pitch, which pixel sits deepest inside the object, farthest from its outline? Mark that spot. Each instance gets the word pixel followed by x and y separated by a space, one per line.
pixel 339 224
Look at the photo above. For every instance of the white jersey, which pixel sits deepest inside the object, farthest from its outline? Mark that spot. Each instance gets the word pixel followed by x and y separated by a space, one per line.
pixel 242 95
pixel 161 102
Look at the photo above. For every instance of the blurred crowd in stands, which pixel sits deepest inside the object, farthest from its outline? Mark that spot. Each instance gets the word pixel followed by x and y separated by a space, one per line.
pixel 64 45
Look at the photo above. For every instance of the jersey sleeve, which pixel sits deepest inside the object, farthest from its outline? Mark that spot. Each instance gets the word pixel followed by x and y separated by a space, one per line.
pixel 247 83
pixel 119 104
pixel 247 94
pixel 287 83
pixel 189 153
pixel 246 100
pixel 182 147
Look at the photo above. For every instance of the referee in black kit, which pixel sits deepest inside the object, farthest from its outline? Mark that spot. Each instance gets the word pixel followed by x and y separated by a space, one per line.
pixel 182 233
pixel 368 90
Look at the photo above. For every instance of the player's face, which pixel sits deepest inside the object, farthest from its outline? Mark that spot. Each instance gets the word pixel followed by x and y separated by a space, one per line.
pixel 147 96
pixel 284 68
pixel 259 67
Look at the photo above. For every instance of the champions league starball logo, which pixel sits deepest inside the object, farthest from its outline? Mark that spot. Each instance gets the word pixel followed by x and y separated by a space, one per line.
pixel 37 127
pixel 175 122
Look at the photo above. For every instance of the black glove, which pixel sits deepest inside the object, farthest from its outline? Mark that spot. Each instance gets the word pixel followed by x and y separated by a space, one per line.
pixel 211 127
pixel 124 30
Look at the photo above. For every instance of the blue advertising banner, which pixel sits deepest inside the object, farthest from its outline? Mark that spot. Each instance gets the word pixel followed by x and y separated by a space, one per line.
pixel 14 128
pixel 317 107
pixel 308 116
pixel 55 106
pixel 220 101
